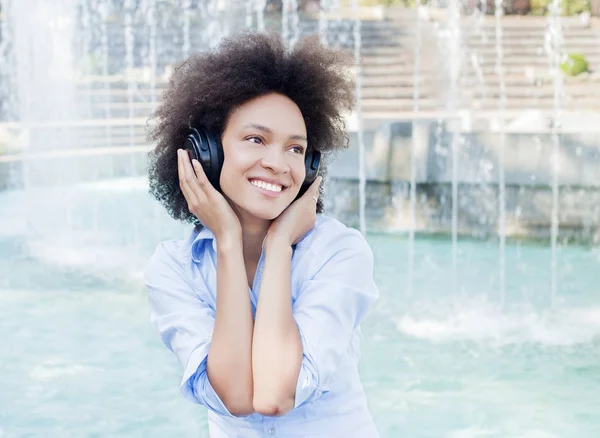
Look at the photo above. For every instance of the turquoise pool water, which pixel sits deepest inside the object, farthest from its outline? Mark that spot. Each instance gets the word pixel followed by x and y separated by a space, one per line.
pixel 80 359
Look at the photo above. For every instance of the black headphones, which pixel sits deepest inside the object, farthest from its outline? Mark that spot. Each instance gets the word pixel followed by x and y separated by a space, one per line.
pixel 205 146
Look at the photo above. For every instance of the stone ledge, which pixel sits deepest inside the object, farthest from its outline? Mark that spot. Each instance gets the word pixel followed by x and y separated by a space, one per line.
pixel 527 211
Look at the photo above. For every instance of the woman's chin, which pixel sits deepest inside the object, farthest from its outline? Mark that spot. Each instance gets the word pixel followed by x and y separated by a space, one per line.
pixel 267 214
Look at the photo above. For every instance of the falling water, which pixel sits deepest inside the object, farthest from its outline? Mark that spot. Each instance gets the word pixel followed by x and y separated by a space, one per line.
pixel 324 6
pixel 215 24
pixel 104 41
pixel 5 62
pixel 359 129
pixel 129 72
pixel 6 274
pixel 86 50
pixel 187 13
pixel 499 12
pixel 295 23
pixel 255 7
pixel 413 152
pixel 153 60
pixel 152 57
pixel 455 60
pixel 285 31
pixel 249 6
pixel 44 66
pixel 554 40
pixel 260 14
pixel 129 65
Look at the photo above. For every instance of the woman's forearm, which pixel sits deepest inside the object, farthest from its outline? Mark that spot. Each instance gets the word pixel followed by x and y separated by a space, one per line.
pixel 276 345
pixel 229 365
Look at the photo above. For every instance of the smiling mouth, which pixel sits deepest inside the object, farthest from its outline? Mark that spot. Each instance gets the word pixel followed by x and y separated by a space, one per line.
pixel 274 189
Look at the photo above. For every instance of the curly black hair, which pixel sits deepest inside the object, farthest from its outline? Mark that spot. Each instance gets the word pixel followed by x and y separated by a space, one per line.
pixel 206 88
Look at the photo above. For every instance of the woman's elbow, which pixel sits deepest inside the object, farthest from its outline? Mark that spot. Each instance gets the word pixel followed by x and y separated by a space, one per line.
pixel 273 408
pixel 240 409
pixel 238 402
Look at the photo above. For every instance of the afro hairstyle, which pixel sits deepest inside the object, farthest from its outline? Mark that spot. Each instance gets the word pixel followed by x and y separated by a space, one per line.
pixel 205 89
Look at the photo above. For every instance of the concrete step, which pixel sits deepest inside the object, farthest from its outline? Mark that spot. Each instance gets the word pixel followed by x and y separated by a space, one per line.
pixel 101 98
pixel 490 80
pixel 438 92
pixel 398 93
pixel 404 59
pixel 120 82
pixel 433 89
pixel 525 35
pixel 529 61
pixel 123 110
pixel 379 105
pixel 593 52
pixel 402 64
pixel 530 44
pixel 509 52
pixel 112 141
pixel 522 61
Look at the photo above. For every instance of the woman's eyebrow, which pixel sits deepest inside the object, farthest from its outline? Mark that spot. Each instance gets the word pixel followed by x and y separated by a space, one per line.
pixel 269 131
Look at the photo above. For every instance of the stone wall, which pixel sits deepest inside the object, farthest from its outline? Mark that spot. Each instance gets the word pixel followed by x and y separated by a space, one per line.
pixel 527 213
pixel 527 189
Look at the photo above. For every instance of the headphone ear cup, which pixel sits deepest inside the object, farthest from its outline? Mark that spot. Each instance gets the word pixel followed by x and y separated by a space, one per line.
pixel 192 144
pixel 214 147
pixel 312 163
pixel 206 147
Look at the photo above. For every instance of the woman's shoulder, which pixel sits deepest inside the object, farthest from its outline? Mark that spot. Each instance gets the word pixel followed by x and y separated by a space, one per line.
pixel 173 251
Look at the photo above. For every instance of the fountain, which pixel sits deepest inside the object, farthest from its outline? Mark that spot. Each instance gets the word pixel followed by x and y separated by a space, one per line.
pixel 466 145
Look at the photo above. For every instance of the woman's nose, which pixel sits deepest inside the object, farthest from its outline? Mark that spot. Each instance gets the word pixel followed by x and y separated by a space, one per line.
pixel 274 159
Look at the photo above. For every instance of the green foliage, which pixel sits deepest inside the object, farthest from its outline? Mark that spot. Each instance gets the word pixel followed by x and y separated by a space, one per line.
pixel 568 7
pixel 574 64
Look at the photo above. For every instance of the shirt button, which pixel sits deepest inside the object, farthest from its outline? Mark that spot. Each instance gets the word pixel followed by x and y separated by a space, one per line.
pixel 271 431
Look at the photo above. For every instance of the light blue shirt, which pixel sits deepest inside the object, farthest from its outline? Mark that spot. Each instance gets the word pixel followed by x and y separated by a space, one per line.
pixel 332 292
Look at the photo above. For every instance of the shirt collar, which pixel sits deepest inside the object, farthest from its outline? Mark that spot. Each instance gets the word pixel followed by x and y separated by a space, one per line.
pixel 203 234
pixel 206 234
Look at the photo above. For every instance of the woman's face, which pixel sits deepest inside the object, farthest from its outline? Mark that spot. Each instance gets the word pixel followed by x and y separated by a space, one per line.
pixel 264 143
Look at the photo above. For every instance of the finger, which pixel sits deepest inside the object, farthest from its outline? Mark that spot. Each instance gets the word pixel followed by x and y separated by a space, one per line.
pixel 195 176
pixel 314 188
pixel 316 184
pixel 195 169
pixel 185 178
pixel 200 175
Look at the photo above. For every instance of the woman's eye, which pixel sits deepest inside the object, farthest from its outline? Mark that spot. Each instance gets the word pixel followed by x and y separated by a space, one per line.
pixel 255 138
pixel 298 149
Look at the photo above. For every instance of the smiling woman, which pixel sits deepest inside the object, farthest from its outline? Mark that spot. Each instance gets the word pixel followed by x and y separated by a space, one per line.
pixel 245 301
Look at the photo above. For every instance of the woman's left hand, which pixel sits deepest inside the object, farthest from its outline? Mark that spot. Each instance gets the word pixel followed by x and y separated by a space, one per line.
pixel 297 219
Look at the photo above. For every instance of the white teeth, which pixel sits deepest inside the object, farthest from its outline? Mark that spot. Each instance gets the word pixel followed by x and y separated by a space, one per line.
pixel 266 186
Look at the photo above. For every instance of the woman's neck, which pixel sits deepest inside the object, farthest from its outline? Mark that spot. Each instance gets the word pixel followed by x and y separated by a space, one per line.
pixel 254 232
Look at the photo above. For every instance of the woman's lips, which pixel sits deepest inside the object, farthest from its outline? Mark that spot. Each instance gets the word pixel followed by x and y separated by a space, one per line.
pixel 269 193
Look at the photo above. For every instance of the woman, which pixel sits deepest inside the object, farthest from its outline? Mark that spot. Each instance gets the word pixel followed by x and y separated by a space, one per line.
pixel 262 303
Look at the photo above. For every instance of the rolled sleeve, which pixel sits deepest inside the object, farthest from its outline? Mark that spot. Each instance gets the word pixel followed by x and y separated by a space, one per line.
pixel 328 310
pixel 185 322
pixel 198 389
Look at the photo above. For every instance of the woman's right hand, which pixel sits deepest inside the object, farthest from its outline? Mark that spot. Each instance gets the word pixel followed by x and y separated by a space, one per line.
pixel 204 201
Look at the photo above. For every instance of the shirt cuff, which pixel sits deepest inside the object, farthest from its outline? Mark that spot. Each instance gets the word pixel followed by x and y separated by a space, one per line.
pixel 196 387
pixel 307 386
